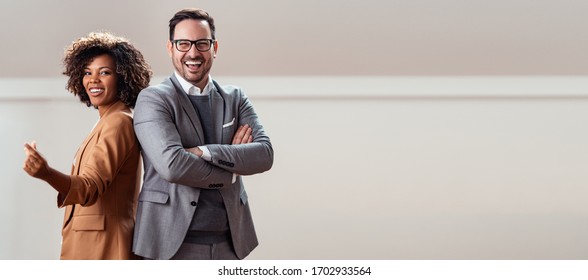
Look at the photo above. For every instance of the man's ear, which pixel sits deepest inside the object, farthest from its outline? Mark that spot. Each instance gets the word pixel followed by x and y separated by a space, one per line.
pixel 170 49
pixel 215 49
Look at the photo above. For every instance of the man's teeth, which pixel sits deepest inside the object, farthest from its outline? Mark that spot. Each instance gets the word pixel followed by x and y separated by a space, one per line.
pixel 193 62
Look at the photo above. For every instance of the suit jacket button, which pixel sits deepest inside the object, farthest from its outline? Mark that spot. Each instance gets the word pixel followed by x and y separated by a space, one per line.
pixel 193 203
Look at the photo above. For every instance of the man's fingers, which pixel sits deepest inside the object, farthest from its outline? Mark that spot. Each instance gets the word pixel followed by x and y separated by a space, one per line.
pixel 248 137
pixel 241 134
pixel 243 139
pixel 236 136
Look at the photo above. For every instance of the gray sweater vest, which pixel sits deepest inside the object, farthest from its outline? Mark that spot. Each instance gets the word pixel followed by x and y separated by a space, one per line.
pixel 210 224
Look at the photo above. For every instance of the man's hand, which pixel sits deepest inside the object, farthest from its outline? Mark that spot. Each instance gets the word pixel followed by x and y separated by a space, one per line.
pixel 195 151
pixel 243 135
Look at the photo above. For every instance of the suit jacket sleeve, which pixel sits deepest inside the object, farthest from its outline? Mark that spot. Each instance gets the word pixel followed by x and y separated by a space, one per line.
pixel 245 159
pixel 101 161
pixel 161 143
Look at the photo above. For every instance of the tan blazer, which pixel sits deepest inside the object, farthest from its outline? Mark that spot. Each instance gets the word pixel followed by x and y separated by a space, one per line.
pixel 102 199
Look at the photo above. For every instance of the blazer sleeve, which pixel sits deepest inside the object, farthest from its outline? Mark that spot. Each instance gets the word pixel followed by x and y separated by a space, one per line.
pixel 102 161
pixel 161 143
pixel 245 159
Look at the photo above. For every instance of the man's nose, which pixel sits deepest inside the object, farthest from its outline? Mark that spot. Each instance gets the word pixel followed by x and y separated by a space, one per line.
pixel 193 51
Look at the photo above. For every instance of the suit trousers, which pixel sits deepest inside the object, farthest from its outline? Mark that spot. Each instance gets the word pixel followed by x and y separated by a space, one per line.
pixel 194 251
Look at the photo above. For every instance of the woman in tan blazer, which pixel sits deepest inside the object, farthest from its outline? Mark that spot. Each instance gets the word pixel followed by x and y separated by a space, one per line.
pixel 100 195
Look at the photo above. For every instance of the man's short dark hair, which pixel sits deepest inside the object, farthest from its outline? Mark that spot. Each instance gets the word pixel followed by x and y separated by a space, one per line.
pixel 197 14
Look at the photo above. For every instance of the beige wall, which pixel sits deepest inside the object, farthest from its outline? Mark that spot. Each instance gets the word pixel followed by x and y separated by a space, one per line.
pixel 387 173
pixel 326 37
pixel 456 130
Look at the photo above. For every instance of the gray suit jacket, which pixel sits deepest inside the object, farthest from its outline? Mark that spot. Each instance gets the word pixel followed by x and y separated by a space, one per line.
pixel 166 123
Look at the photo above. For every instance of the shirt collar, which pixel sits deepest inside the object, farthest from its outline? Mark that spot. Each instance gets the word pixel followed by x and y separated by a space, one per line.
pixel 191 89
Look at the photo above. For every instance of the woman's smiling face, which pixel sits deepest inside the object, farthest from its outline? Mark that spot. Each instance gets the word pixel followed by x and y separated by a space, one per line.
pixel 100 80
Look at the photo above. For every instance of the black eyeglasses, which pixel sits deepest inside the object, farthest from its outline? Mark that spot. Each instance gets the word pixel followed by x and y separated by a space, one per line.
pixel 202 45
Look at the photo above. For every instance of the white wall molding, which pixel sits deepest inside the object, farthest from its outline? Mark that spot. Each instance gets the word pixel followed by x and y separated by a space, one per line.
pixel 349 87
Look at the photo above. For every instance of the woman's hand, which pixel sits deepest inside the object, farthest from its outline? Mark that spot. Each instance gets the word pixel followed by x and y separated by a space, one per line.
pixel 35 164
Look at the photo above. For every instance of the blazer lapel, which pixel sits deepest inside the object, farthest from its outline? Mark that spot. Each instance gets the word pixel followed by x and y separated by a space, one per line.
pixel 77 164
pixel 75 170
pixel 188 108
pixel 116 107
pixel 217 107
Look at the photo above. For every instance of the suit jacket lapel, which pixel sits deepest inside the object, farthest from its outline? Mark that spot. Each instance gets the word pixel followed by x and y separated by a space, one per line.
pixel 217 107
pixel 82 149
pixel 116 107
pixel 188 108
pixel 75 170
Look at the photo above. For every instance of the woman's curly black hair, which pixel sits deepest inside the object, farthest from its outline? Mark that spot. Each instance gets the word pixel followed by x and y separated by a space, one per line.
pixel 132 71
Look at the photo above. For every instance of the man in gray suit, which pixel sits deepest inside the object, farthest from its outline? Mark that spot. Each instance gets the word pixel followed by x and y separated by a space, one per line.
pixel 198 138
